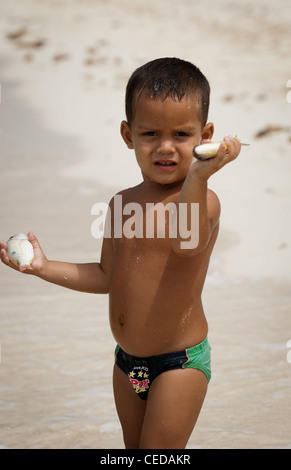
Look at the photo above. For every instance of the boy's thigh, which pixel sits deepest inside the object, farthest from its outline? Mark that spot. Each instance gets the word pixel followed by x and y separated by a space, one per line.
pixel 173 406
pixel 130 408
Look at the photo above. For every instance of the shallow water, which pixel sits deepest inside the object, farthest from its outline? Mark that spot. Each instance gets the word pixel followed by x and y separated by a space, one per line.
pixel 57 359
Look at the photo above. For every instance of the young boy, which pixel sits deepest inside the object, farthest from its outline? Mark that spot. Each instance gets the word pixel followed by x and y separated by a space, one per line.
pixel 155 279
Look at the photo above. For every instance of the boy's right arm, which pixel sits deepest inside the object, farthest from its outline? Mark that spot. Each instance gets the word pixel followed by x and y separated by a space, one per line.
pixel 87 277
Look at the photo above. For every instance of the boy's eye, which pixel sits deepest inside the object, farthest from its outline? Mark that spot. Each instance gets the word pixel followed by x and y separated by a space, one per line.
pixel 182 134
pixel 150 133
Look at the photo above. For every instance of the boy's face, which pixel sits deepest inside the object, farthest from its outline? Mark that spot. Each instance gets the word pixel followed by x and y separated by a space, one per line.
pixel 163 134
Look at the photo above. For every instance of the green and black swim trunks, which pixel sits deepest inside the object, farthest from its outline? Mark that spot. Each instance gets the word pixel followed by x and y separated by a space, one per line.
pixel 141 371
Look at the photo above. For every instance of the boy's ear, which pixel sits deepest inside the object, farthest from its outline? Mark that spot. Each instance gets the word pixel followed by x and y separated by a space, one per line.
pixel 207 131
pixel 126 134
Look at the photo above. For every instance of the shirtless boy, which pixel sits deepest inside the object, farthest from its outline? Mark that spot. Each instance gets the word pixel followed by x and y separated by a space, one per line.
pixel 162 365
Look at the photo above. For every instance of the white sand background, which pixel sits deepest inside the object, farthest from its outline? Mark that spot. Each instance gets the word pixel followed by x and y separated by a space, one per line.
pixel 62 98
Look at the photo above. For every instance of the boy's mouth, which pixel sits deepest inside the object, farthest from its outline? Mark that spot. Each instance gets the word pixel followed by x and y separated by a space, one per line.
pixel 165 163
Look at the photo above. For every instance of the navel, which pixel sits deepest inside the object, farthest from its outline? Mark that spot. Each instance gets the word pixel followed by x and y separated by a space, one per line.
pixel 121 320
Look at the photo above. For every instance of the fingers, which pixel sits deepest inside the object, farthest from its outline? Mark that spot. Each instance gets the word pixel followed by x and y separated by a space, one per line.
pixel 233 147
pixel 3 253
pixel 227 152
pixel 33 240
pixel 4 256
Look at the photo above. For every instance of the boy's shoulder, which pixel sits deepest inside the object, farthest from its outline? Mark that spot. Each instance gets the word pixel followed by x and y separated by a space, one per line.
pixel 212 196
pixel 127 194
pixel 213 206
pixel 211 193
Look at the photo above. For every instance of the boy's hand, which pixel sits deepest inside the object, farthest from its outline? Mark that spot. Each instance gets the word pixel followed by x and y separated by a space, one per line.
pixel 38 261
pixel 206 168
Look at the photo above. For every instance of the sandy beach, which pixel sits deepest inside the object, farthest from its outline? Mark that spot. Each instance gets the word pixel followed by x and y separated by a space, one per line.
pixel 64 66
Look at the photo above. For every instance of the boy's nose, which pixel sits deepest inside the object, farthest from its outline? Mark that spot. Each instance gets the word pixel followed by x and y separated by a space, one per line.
pixel 166 146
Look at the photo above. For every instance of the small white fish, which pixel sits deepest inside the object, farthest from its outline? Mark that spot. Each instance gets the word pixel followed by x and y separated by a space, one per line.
pixel 20 251
pixel 205 151
pixel 208 150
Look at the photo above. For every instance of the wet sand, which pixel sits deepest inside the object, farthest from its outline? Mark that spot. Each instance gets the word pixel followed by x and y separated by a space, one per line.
pixel 64 67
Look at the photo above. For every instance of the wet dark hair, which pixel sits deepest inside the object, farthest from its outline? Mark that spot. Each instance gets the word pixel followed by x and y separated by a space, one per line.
pixel 167 77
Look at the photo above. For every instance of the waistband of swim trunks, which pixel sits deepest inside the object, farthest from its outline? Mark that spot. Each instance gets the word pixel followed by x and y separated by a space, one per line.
pixel 194 349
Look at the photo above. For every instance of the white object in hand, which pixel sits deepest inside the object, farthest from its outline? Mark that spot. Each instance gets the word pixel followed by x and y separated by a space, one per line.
pixel 205 151
pixel 208 150
pixel 20 251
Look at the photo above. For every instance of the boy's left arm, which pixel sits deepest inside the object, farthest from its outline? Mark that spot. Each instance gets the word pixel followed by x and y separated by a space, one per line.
pixel 195 190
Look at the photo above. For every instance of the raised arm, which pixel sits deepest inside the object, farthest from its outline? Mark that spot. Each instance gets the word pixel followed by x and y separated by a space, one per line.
pixel 195 191
pixel 87 277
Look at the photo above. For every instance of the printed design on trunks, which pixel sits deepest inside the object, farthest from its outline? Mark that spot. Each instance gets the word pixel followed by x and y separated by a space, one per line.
pixel 139 378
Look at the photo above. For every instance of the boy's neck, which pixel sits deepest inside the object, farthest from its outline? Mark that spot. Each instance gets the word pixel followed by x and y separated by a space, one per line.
pixel 162 189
